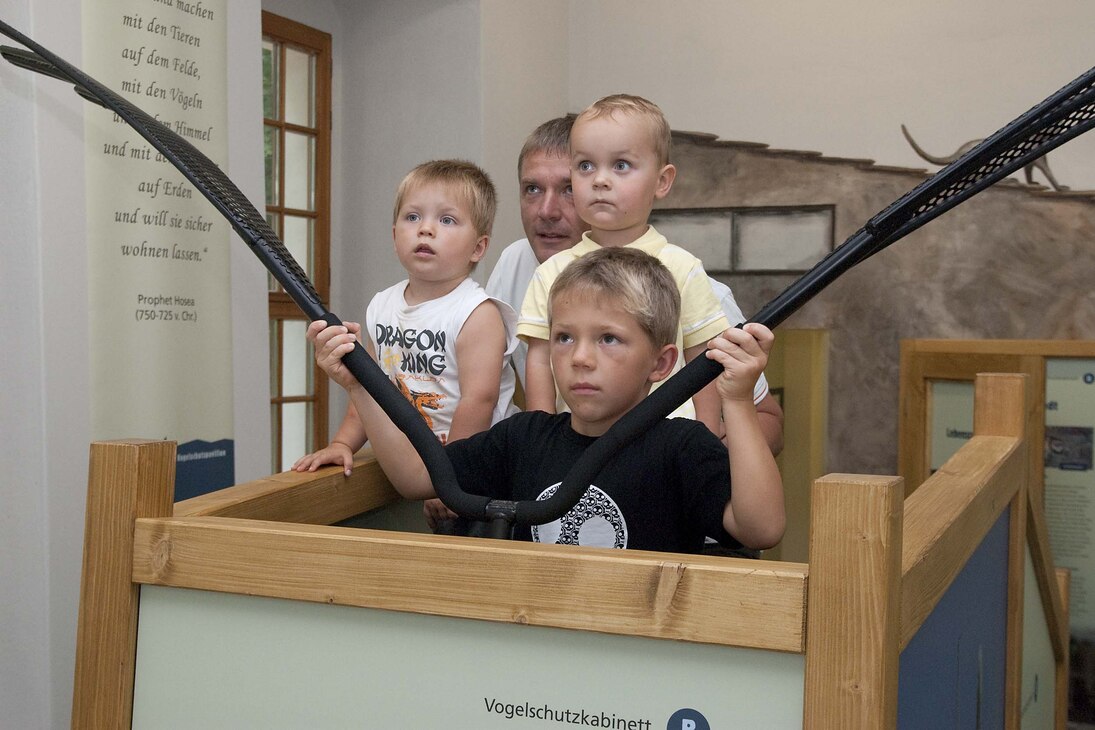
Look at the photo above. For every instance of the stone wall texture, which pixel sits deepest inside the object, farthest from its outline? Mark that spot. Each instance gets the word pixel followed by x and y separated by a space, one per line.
pixel 1014 262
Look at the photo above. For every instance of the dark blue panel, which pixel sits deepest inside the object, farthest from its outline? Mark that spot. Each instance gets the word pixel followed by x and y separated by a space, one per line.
pixel 204 466
pixel 952 672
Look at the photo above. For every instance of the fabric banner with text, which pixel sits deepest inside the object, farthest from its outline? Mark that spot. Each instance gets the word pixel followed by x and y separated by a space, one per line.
pixel 158 251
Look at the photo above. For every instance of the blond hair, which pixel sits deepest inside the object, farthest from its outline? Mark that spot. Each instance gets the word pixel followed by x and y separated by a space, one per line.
pixel 640 283
pixel 645 110
pixel 552 138
pixel 466 179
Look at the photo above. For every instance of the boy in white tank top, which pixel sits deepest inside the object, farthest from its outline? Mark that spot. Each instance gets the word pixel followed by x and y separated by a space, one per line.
pixel 444 343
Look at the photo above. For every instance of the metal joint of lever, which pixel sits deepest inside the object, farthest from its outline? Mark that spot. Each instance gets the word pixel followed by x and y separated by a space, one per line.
pixel 501 508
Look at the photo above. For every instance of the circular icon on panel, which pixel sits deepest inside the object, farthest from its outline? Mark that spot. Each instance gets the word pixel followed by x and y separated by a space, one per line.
pixel 1089 378
pixel 687 719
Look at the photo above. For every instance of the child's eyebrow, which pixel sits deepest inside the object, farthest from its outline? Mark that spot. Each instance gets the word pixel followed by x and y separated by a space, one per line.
pixel 625 152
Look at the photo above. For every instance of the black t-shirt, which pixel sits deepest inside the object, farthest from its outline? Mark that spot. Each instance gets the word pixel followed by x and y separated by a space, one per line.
pixel 664 491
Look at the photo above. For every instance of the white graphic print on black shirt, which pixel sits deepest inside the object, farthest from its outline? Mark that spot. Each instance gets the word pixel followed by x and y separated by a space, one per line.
pixel 663 491
pixel 595 521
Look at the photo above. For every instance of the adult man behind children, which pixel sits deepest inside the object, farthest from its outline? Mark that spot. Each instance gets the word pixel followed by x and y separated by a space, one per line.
pixel 547 214
pixel 552 225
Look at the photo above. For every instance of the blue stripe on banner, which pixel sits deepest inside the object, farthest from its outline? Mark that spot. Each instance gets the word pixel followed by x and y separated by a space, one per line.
pixel 204 466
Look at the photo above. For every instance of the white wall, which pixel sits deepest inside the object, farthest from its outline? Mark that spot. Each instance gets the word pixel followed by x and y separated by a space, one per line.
pixel 62 372
pixel 524 81
pixel 24 625
pixel 411 90
pixel 839 77
pixel 44 336
pixel 250 323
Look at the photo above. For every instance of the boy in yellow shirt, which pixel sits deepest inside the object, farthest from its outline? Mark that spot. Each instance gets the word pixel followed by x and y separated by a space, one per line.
pixel 619 151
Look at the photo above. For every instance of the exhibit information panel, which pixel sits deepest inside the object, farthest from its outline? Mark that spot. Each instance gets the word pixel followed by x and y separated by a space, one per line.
pixel 208 660
pixel 158 263
pixel 1070 481
pixel 951 420
pixel 1039 666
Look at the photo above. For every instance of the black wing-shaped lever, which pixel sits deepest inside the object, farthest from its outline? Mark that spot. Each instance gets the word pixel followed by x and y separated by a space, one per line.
pixel 33 62
pixel 252 227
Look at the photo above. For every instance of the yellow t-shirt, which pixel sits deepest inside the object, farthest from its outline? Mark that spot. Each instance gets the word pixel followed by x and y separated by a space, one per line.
pixel 701 316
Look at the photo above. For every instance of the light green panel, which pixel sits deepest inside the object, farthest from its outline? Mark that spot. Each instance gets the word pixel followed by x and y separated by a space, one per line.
pixel 212 660
pixel 1070 481
pixel 951 419
pixel 1039 667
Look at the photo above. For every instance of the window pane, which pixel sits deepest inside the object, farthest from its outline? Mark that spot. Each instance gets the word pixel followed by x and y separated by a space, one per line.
pixel 269 78
pixel 271 155
pixel 296 432
pixel 300 74
pixel 781 240
pixel 300 153
pixel 296 357
pixel 706 234
pixel 298 240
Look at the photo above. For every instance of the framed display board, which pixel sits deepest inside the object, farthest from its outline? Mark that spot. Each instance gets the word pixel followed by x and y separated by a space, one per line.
pixel 937 377
pixel 936 410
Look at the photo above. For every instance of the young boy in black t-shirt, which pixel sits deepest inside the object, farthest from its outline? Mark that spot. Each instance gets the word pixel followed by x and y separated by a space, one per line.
pixel 614 314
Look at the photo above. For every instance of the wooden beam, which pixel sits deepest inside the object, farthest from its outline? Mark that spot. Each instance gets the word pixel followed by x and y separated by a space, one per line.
pixel 1000 404
pixel 320 498
pixel 693 598
pixel 918 371
pixel 1043 348
pixel 1001 407
pixel 854 600
pixel 948 517
pixel 126 480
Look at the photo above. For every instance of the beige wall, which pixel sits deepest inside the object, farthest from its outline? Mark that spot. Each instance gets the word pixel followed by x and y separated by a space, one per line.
pixel 839 77
pixel 1009 263
pixel 524 84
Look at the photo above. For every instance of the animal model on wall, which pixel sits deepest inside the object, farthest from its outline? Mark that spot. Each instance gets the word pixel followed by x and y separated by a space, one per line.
pixel 1041 163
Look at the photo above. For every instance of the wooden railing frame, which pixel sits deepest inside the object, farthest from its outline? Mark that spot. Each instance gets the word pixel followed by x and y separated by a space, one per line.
pixel 879 565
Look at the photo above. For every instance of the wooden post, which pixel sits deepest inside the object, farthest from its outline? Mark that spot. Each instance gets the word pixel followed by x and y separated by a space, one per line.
pixel 1000 405
pixel 1000 408
pixel 126 480
pixel 854 592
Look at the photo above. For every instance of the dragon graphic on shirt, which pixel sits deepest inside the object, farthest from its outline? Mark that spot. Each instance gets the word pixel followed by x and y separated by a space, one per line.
pixel 422 401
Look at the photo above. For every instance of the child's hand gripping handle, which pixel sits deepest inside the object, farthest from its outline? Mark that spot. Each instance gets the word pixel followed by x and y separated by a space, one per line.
pixel 408 420
pixel 691 379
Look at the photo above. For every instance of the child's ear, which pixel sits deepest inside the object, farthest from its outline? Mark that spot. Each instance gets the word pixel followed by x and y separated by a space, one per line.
pixel 663 363
pixel 665 181
pixel 480 249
